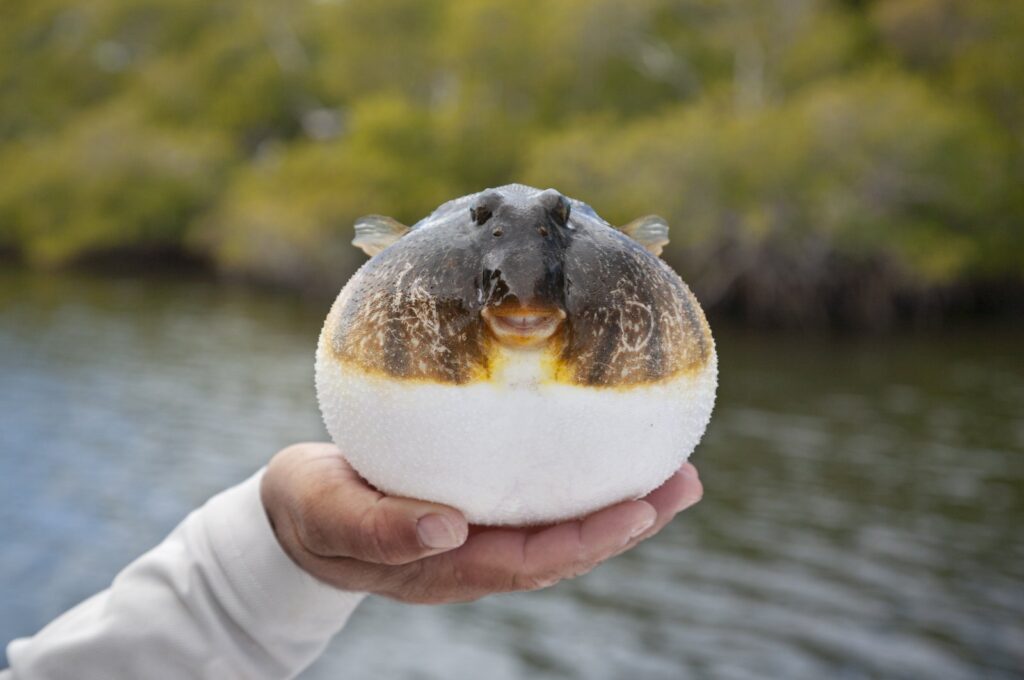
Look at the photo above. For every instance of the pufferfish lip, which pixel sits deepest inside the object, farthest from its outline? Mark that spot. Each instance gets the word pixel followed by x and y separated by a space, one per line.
pixel 522 326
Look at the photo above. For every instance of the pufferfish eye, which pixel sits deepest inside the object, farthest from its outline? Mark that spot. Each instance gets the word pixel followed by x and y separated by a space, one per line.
pixel 484 208
pixel 480 214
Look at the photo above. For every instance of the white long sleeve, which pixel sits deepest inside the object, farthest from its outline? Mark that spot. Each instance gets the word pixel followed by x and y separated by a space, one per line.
pixel 218 599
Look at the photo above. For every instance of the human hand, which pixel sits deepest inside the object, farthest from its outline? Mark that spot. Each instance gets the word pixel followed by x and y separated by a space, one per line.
pixel 345 533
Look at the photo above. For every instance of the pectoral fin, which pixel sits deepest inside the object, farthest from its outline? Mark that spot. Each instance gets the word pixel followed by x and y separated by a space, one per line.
pixel 374 233
pixel 650 231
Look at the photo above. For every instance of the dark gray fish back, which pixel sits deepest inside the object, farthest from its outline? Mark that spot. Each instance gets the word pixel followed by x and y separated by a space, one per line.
pixel 413 310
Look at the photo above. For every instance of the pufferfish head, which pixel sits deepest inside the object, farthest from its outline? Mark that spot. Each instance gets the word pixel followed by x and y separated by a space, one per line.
pixel 517 268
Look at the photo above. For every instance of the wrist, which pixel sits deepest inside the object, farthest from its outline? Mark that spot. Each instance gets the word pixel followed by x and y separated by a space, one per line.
pixel 279 521
pixel 267 582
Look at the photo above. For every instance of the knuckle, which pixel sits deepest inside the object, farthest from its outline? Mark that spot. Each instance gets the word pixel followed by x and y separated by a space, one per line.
pixel 494 580
pixel 522 582
pixel 533 580
pixel 461 581
pixel 455 583
pixel 415 583
pixel 537 581
pixel 580 570
pixel 382 540
pixel 371 547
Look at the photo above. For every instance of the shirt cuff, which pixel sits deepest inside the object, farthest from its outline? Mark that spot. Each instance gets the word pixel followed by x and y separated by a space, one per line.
pixel 276 596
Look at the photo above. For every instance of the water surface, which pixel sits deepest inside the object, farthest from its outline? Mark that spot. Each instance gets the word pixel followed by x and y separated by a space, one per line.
pixel 862 515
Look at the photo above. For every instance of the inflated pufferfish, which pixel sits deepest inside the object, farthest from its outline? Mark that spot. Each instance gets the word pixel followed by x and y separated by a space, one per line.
pixel 515 356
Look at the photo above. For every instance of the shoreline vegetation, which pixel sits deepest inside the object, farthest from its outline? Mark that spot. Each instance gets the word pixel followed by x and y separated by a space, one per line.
pixel 850 165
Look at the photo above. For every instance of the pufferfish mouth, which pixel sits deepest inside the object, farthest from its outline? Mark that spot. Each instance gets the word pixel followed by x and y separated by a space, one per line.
pixel 522 326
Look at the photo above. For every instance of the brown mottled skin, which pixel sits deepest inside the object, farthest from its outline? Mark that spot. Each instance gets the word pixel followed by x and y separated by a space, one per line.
pixel 413 310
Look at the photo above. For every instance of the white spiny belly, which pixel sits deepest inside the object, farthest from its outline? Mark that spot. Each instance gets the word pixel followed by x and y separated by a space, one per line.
pixel 516 449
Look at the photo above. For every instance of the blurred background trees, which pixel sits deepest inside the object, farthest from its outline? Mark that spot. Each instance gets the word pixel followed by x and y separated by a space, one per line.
pixel 821 163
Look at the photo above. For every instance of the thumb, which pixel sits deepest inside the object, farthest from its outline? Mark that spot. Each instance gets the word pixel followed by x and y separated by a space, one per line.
pixel 347 518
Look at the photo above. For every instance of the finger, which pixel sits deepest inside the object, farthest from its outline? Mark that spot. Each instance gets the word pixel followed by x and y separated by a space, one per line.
pixel 505 559
pixel 341 516
pixel 573 548
pixel 679 492
pixel 569 549
pixel 485 564
pixel 500 560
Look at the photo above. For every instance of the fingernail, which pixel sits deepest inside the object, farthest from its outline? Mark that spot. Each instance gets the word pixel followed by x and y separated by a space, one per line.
pixel 437 531
pixel 641 527
pixel 690 501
